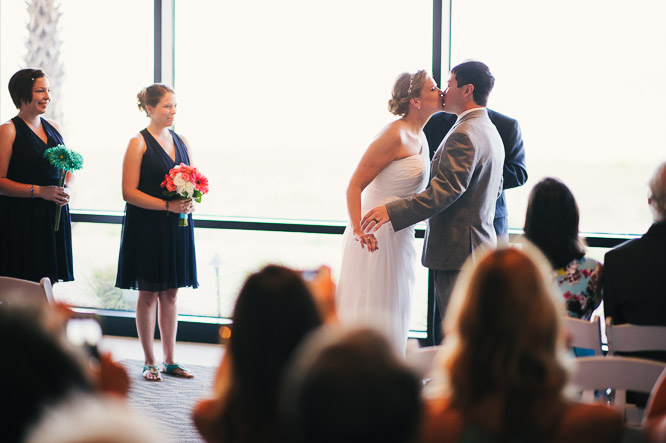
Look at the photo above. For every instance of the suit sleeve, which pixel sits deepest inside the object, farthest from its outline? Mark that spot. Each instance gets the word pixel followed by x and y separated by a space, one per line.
pixel 449 181
pixel 515 172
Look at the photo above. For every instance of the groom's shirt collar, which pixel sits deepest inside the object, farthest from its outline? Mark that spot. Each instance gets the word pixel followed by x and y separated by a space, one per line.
pixel 462 114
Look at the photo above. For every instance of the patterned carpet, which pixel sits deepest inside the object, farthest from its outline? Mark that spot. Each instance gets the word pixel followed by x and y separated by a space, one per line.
pixel 169 403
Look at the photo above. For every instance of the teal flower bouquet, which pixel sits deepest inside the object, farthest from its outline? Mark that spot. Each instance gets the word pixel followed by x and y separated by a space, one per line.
pixel 64 160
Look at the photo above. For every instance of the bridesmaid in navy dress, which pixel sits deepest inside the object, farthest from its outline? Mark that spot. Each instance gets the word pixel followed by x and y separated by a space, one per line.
pixel 156 255
pixel 29 191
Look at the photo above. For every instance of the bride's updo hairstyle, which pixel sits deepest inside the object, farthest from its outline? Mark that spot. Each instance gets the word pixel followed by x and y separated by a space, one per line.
pixel 406 87
pixel 151 95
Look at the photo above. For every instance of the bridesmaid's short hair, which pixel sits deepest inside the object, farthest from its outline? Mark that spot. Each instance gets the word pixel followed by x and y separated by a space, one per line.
pixel 20 85
pixel 151 95
pixel 406 87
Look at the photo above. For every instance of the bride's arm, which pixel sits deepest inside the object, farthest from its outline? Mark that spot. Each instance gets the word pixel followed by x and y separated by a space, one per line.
pixel 381 152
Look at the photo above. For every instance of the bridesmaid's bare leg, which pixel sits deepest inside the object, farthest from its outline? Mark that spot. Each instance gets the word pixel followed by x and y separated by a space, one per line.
pixel 168 322
pixel 145 327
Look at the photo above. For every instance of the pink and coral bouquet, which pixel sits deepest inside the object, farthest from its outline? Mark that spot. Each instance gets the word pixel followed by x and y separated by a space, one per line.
pixel 185 182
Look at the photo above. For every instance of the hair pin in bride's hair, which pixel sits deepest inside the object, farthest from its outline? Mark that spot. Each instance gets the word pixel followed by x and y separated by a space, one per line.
pixel 411 82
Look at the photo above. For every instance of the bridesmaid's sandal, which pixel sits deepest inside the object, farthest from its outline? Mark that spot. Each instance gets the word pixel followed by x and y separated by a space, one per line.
pixel 177 370
pixel 151 373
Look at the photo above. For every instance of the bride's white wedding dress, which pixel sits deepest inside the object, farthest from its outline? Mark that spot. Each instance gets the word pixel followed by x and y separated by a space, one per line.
pixel 375 288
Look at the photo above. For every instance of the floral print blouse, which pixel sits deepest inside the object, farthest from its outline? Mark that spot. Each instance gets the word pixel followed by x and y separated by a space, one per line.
pixel 579 285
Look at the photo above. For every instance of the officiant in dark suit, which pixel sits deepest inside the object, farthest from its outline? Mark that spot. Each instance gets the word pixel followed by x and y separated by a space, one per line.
pixel 514 172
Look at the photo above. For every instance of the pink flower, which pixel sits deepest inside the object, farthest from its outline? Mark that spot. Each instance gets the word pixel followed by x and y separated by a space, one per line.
pixel 200 182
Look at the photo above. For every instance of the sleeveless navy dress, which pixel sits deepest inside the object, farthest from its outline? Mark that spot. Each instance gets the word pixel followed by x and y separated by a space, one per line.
pixel 155 253
pixel 29 248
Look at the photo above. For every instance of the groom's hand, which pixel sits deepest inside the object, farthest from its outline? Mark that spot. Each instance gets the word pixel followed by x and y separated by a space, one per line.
pixel 374 219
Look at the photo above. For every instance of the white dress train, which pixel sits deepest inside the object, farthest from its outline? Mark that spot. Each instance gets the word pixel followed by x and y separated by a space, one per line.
pixel 374 289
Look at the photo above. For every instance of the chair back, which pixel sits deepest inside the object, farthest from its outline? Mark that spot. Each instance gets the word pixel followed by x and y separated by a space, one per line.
pixel 25 291
pixel 632 338
pixel 584 333
pixel 620 374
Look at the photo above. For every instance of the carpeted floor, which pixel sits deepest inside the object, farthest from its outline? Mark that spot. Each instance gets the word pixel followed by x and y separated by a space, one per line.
pixel 169 403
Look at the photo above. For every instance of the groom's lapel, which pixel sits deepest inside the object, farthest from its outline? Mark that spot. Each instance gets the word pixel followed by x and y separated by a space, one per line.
pixel 469 115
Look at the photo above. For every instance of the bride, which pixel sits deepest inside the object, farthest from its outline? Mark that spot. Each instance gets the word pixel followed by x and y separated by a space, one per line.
pixel 377 273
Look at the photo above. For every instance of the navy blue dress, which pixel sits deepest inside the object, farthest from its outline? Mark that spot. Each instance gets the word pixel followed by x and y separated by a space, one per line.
pixel 155 253
pixel 29 248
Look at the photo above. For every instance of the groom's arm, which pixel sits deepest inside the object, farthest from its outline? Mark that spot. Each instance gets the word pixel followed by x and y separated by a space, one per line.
pixel 450 179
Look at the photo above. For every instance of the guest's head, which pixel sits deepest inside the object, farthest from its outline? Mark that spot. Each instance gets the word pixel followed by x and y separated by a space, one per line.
pixel 657 198
pixel 274 312
pixel 349 386
pixel 478 75
pixel 551 222
pixel 150 96
pixel 22 83
pixel 406 87
pixel 503 336
pixel 39 368
pixel 105 420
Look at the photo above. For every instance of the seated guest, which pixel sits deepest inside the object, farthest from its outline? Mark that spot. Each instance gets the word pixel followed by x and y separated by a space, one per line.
pixel 41 368
pixel 349 386
pixel 634 282
pixel 551 224
pixel 274 311
pixel 503 374
pixel 106 420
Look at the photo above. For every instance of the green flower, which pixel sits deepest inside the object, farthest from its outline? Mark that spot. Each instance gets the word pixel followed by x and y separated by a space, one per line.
pixel 64 159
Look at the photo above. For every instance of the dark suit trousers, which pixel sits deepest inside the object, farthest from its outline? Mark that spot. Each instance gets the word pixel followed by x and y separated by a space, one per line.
pixel 444 283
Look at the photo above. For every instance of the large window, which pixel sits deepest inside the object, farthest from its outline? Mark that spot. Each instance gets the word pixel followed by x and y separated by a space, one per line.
pixel 280 99
pixel 585 81
pixel 279 111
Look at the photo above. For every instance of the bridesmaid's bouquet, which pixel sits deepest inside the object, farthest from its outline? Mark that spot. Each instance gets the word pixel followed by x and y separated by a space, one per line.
pixel 185 182
pixel 64 160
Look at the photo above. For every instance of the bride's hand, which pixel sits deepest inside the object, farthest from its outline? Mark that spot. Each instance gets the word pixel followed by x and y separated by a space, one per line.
pixel 368 240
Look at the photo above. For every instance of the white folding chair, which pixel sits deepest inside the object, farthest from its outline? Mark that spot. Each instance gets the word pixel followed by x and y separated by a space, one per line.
pixel 617 373
pixel 584 334
pixel 633 338
pixel 25 291
pixel 421 360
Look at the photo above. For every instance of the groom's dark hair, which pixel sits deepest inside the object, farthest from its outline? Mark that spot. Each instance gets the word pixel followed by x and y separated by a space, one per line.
pixel 477 74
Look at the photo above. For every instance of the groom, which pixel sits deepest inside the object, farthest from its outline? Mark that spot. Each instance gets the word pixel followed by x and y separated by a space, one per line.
pixel 465 181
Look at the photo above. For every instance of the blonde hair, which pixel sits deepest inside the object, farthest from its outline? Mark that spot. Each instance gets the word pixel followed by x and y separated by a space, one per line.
pixel 406 87
pixel 503 336
pixel 151 95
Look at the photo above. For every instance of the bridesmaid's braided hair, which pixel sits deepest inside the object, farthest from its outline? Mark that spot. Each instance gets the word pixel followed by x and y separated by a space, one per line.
pixel 406 87
pixel 151 95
